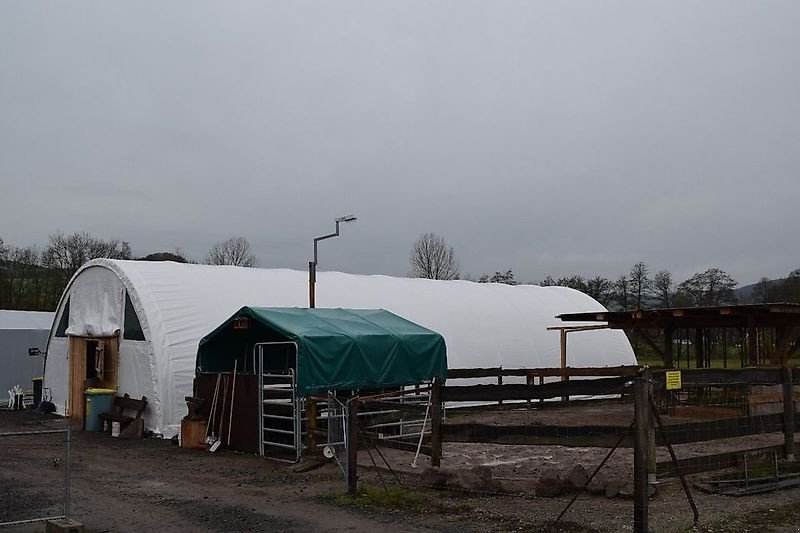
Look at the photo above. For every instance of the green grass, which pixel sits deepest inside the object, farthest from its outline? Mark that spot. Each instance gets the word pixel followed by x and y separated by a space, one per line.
pixel 392 498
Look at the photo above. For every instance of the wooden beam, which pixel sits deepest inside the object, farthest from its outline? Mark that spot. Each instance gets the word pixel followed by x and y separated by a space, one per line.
pixel 493 393
pixel 719 376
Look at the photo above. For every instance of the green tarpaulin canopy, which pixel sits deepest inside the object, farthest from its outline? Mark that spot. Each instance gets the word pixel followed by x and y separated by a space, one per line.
pixel 337 349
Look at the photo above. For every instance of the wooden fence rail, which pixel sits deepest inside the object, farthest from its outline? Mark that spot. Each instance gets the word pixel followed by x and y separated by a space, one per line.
pixel 493 372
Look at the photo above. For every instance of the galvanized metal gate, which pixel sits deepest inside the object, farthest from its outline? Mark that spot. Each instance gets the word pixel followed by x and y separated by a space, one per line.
pixel 281 411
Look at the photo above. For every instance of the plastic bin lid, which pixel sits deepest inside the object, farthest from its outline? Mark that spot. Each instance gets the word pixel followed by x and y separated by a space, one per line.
pixel 99 391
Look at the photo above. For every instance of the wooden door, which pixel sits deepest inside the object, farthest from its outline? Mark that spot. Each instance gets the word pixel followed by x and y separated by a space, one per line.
pixel 77 375
pixel 108 350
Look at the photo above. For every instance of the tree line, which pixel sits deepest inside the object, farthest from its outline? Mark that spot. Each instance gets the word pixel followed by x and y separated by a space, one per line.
pixel 33 278
pixel 431 257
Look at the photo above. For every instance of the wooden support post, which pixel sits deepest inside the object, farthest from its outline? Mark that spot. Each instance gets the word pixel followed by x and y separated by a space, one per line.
pixel 529 381
pixel 311 425
pixel 352 446
pixel 752 342
pixel 699 341
pixel 436 423
pixel 788 414
pixel 564 377
pixel 640 486
pixel 781 345
pixel 668 359
pixel 500 381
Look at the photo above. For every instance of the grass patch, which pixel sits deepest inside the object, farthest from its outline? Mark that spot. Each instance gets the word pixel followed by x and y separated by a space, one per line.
pixel 392 498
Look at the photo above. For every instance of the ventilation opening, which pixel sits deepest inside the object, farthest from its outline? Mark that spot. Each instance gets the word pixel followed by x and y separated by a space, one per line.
pixel 133 328
pixel 61 330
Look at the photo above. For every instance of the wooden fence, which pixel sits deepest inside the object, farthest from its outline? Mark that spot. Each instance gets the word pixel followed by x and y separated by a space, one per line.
pixel 607 381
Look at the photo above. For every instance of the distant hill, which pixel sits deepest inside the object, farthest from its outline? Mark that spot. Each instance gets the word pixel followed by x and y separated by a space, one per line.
pixel 746 294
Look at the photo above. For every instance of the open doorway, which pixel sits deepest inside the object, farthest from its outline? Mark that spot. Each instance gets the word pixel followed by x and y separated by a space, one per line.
pixel 93 363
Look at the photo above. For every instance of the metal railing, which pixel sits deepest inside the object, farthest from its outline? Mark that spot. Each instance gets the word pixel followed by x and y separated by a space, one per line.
pixel 68 476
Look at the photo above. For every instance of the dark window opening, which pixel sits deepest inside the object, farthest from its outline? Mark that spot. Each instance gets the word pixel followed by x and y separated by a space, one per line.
pixel 91 359
pixel 133 328
pixel 61 330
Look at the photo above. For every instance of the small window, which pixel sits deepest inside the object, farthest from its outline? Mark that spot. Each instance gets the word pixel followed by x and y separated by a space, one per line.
pixel 61 330
pixel 133 328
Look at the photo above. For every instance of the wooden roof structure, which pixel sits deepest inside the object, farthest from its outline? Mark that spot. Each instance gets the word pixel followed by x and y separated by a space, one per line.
pixel 783 318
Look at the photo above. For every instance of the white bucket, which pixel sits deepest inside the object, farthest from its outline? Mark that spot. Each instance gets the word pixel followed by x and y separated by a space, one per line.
pixel 115 429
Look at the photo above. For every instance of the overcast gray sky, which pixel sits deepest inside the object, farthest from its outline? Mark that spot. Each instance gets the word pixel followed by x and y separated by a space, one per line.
pixel 547 137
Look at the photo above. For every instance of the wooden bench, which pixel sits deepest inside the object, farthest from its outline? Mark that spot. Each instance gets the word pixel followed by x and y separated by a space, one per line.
pixel 130 426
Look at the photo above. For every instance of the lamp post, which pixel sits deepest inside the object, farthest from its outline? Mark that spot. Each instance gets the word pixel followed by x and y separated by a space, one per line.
pixel 312 265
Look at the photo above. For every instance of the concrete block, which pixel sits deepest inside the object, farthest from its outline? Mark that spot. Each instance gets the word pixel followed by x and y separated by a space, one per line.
pixel 63 525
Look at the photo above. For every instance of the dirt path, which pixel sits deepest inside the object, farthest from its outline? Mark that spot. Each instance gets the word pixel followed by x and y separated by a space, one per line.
pixel 152 485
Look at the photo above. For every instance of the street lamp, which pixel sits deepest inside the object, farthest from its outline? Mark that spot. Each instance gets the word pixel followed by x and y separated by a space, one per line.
pixel 312 265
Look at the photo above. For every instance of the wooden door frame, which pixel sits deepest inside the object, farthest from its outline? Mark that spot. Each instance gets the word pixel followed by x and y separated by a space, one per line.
pixel 76 353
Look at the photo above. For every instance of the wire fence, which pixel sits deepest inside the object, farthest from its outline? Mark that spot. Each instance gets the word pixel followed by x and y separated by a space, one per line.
pixel 48 495
pixel 634 443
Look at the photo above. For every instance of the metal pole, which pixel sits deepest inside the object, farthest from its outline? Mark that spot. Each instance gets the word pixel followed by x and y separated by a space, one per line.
pixel 69 472
pixel 312 279
pixel 640 485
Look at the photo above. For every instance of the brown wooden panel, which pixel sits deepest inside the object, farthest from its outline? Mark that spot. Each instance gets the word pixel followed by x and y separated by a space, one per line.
pixel 244 429
pixel 489 393
pixel 77 375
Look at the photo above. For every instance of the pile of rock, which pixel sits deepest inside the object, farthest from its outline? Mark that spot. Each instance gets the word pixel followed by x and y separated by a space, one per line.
pixel 549 484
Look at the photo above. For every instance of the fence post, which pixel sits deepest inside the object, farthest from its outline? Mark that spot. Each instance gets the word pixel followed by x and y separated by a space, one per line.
pixel 311 425
pixel 67 503
pixel 436 422
pixel 352 445
pixel 640 486
pixel 564 376
pixel 788 414
pixel 651 433
pixel 500 382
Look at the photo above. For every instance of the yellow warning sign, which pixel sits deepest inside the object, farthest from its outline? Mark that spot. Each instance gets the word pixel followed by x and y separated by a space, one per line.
pixel 673 379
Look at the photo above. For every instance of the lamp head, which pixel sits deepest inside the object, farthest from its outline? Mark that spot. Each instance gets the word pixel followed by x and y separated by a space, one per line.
pixel 347 218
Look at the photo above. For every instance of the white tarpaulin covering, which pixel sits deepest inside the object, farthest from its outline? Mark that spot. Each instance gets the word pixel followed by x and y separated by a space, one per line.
pixel 484 325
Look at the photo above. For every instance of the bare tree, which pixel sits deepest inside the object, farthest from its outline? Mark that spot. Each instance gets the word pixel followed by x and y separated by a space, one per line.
pixel 761 292
pixel 506 278
pixel 432 258
pixel 599 288
pixel 235 251
pixel 712 287
pixel 621 290
pixel 640 284
pixel 662 287
pixel 66 253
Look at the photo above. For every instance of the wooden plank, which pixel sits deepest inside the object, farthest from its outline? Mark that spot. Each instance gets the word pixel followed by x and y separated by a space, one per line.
pixel 465 373
pixel 493 393
pixel 724 376
pixel 708 463
pixel 570 436
pixel 606 436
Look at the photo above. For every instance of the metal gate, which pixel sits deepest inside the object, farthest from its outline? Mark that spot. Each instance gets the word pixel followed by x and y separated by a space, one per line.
pixel 281 411
pixel 336 415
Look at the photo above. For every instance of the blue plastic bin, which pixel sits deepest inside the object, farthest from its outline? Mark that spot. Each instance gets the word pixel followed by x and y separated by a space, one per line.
pixel 97 401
